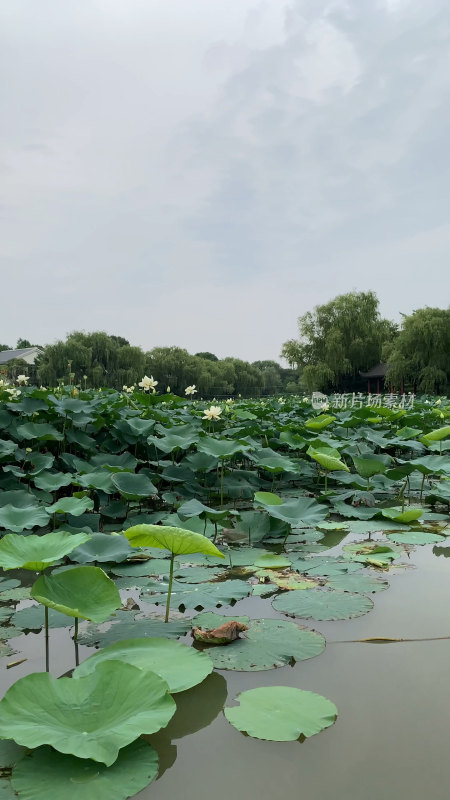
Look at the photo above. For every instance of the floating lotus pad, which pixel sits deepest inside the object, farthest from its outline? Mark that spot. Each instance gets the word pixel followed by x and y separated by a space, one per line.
pixel 91 717
pixel 281 713
pixel 361 584
pixel 130 627
pixel 37 552
pixel 267 644
pixel 180 666
pixel 415 537
pixel 48 774
pixel 84 592
pixel 202 595
pixel 322 604
pixel 102 547
pixel 33 619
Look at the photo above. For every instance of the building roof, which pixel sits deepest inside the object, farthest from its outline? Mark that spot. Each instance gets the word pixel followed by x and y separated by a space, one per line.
pixel 376 372
pixel 10 355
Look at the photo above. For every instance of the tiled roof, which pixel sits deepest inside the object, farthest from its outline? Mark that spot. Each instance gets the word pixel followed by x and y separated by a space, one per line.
pixel 10 355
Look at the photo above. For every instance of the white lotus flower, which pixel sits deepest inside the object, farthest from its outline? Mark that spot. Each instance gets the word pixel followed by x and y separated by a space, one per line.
pixel 213 412
pixel 22 379
pixel 148 383
pixel 190 390
pixel 168 390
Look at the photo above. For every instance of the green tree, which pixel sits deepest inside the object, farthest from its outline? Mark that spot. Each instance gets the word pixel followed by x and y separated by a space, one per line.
pixel 420 355
pixel 207 356
pixel 337 340
pixel 106 360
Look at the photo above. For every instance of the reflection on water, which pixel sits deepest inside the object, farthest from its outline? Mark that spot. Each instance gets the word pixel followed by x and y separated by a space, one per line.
pixel 196 709
pixel 441 551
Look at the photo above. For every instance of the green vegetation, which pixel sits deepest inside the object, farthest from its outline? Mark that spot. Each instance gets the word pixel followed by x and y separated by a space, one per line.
pixel 193 511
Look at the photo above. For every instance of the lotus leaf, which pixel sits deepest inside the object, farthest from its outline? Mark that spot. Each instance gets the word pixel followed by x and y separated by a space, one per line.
pixel 181 667
pixel 33 619
pixel 102 547
pixel 37 552
pixel 281 713
pixel 52 481
pixel 202 595
pixel 20 519
pixel 301 511
pixel 266 644
pixel 360 584
pixel 91 717
pixel 322 604
pixel 176 540
pixel 415 537
pixel 130 628
pixel 84 592
pixel 76 506
pixel 328 458
pixel 48 774
pixel 409 515
pixel 41 431
pixel 272 561
pixel 134 486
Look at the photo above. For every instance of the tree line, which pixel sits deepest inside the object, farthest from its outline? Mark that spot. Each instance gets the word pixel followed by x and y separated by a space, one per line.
pixel 337 341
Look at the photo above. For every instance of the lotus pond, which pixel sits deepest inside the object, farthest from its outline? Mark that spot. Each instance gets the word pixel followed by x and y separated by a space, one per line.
pixel 246 605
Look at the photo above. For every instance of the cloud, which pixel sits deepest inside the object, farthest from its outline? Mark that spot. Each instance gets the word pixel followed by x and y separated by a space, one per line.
pixel 207 172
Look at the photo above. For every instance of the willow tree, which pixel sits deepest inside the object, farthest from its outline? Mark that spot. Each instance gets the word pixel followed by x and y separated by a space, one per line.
pixel 420 355
pixel 338 340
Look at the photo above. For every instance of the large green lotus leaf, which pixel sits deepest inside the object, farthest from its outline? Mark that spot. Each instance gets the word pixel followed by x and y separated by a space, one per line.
pixel 409 515
pixel 202 595
pixel 324 566
pixel 245 556
pixel 22 593
pixel 268 499
pixel 267 644
pixel 415 537
pixel 436 435
pixel 369 464
pixel 33 619
pixel 114 462
pixel 129 627
pixel 176 540
pixel 52 481
pixel 281 713
pixel 364 527
pixel 193 508
pixel 102 547
pixel 360 584
pixel 178 439
pixel 18 498
pixel 100 480
pixel 39 463
pixel 322 604
pixel 355 512
pixel 221 448
pixel 7 447
pixel 320 422
pixel 84 592
pixel 134 486
pixel 91 717
pixel 180 666
pixel 272 561
pixel 37 552
pixel 328 458
pixel 270 460
pixel 41 431
pixel 47 775
pixel 20 519
pixel 198 574
pixel 76 506
pixel 301 511
pixel 439 465
pixel 139 569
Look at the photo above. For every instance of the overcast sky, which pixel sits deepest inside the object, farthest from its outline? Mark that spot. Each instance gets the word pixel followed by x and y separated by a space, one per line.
pixel 202 172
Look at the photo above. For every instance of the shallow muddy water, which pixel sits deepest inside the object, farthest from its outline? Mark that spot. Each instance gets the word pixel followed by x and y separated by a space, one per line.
pixel 391 738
